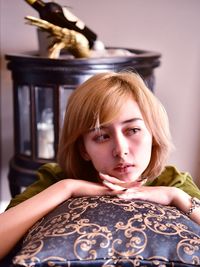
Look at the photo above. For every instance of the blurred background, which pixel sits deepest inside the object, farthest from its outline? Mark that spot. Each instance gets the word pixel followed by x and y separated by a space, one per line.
pixel 168 27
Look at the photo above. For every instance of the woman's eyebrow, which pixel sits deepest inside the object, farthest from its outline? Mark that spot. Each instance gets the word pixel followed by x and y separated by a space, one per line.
pixel 123 122
pixel 132 120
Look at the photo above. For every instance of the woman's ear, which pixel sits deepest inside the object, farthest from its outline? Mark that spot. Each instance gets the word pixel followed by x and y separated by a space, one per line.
pixel 83 152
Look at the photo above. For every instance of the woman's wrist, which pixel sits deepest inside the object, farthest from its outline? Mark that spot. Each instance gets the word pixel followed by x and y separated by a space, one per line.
pixel 188 205
pixel 181 200
pixel 195 204
pixel 66 189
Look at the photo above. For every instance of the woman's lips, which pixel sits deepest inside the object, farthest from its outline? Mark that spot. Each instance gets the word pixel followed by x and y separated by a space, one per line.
pixel 123 168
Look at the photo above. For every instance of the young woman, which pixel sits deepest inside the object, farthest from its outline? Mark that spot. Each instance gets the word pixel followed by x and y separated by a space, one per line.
pixel 115 140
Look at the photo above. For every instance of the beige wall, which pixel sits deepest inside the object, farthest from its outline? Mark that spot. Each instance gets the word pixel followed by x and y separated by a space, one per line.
pixel 169 27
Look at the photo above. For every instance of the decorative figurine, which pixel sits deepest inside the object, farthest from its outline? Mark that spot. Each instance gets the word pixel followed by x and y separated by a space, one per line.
pixel 76 43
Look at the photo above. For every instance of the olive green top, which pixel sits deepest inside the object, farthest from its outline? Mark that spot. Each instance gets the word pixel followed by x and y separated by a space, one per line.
pixel 50 173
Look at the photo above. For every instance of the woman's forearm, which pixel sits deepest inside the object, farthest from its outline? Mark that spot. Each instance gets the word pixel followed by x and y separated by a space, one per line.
pixel 183 202
pixel 16 221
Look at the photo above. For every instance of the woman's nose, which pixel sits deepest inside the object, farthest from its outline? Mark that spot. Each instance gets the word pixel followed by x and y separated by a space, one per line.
pixel 120 147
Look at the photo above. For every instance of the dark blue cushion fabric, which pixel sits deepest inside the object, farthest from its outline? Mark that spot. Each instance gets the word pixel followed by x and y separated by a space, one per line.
pixel 108 231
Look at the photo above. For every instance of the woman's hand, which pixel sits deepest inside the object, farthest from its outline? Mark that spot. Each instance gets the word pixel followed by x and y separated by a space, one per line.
pixel 135 190
pixel 113 182
pixel 79 188
pixel 159 194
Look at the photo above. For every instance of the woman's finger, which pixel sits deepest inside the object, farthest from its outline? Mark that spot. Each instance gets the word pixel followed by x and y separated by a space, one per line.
pixel 112 186
pixel 117 182
pixel 109 178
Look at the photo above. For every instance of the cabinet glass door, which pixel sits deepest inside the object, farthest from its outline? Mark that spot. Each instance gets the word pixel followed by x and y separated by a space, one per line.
pixel 64 93
pixel 45 122
pixel 24 120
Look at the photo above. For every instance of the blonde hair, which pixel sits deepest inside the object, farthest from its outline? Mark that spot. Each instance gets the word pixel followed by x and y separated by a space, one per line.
pixel 99 100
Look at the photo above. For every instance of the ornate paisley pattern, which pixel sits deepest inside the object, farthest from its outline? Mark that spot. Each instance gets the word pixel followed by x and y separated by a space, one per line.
pixel 108 231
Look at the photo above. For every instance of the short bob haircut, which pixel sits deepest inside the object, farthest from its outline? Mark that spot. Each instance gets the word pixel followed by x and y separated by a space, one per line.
pixel 98 101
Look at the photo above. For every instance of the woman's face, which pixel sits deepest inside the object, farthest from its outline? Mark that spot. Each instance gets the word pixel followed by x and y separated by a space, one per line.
pixel 122 148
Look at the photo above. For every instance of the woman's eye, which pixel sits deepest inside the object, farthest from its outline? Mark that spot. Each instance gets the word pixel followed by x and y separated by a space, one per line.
pixel 101 138
pixel 133 131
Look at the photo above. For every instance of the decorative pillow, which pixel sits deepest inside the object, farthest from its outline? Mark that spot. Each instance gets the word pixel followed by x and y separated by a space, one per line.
pixel 107 231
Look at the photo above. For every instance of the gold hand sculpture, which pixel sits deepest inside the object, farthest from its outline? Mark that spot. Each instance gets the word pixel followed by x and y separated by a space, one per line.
pixel 75 42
